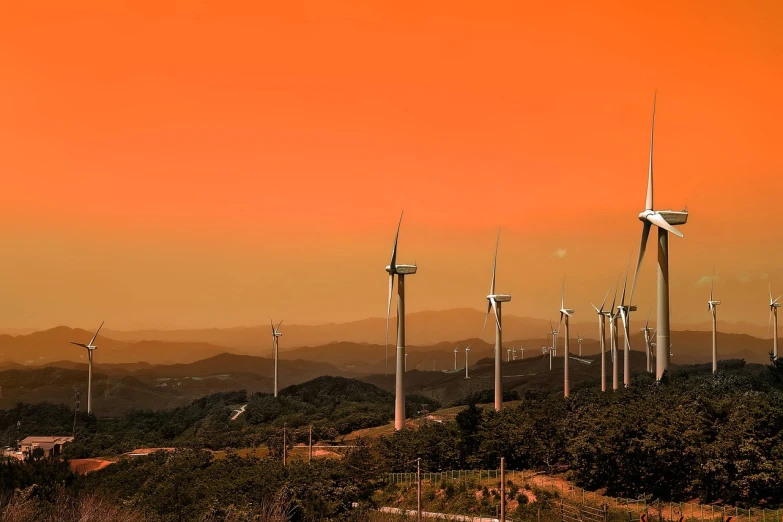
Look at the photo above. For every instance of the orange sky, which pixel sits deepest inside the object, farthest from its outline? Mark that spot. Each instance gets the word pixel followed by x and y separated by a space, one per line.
pixel 194 164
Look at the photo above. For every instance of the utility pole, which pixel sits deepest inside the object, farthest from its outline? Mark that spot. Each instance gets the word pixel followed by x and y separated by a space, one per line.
pixel 310 449
pixel 502 489
pixel 418 490
pixel 284 445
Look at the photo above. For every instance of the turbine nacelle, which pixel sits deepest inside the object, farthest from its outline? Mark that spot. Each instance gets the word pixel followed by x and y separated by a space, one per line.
pixel 499 298
pixel 401 269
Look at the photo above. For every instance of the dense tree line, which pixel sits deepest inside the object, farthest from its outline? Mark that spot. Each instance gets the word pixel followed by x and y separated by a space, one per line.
pixel 716 438
pixel 334 405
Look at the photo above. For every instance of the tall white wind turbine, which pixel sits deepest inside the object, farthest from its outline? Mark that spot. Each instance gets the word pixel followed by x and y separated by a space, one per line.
pixel 773 315
pixel 663 220
pixel 712 306
pixel 554 333
pixel 565 315
pixel 602 337
pixel 494 302
pixel 90 347
pixel 467 350
pixel 276 346
pixel 579 340
pixel 455 357
pixel 400 271
pixel 624 310
pixel 613 344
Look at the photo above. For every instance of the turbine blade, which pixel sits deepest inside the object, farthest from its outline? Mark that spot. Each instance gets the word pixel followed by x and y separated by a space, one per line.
pixel 626 330
pixel 625 284
pixel 648 204
pixel 279 325
pixel 484 328
pixel 494 265
pixel 595 308
pixel 604 301
pixel 497 315
pixel 79 344
pixel 562 295
pixel 273 327
pixel 388 313
pixel 658 221
pixel 712 284
pixel 770 293
pixel 96 334
pixel 393 262
pixel 642 248
pixel 614 299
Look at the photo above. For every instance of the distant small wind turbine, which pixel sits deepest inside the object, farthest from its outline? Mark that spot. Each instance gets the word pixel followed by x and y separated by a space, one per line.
pixel 495 300
pixel 565 315
pixel 579 339
pixel 276 346
pixel 467 350
pixel 90 347
pixel 648 341
pixel 455 357
pixel 712 306
pixel 400 271
pixel 554 333
pixel 602 337
pixel 773 316
pixel 625 314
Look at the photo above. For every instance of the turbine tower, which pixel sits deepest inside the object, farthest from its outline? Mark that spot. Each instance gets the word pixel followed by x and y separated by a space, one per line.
pixel 602 337
pixel 773 314
pixel 663 220
pixel 579 339
pixel 495 300
pixel 613 337
pixel 400 271
pixel 467 349
pixel 455 357
pixel 624 311
pixel 89 347
pixel 554 333
pixel 565 315
pixel 276 346
pixel 712 306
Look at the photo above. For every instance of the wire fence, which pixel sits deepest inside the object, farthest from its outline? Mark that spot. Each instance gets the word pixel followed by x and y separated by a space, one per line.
pixel 629 509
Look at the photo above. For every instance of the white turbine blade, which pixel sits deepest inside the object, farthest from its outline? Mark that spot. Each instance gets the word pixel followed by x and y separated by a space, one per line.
pixel 562 295
pixel 484 328
pixel 393 262
pixel 595 308
pixel 642 248
pixel 497 315
pixel 494 266
pixel 626 331
pixel 278 326
pixel 658 221
pixel 777 299
pixel 273 327
pixel 648 204
pixel 625 284
pixel 712 284
pixel 769 285
pixel 96 334
pixel 614 299
pixel 79 344
pixel 604 301
pixel 388 312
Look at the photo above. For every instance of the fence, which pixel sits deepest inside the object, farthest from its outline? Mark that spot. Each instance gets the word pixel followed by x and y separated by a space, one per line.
pixel 656 511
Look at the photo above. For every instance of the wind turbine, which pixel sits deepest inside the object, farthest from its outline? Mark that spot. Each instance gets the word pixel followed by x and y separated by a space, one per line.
pixel 89 347
pixel 467 349
pixel 624 311
pixel 555 333
pixel 400 271
pixel 602 337
pixel 523 353
pixel 514 353
pixel 648 341
pixel 663 220
pixel 406 362
pixel 712 306
pixel 579 339
pixel 613 337
pixel 455 357
pixel 773 314
pixel 276 345
pixel 565 315
pixel 495 300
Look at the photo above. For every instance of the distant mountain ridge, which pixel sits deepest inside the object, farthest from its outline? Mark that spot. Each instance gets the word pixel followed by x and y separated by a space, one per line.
pixel 422 328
